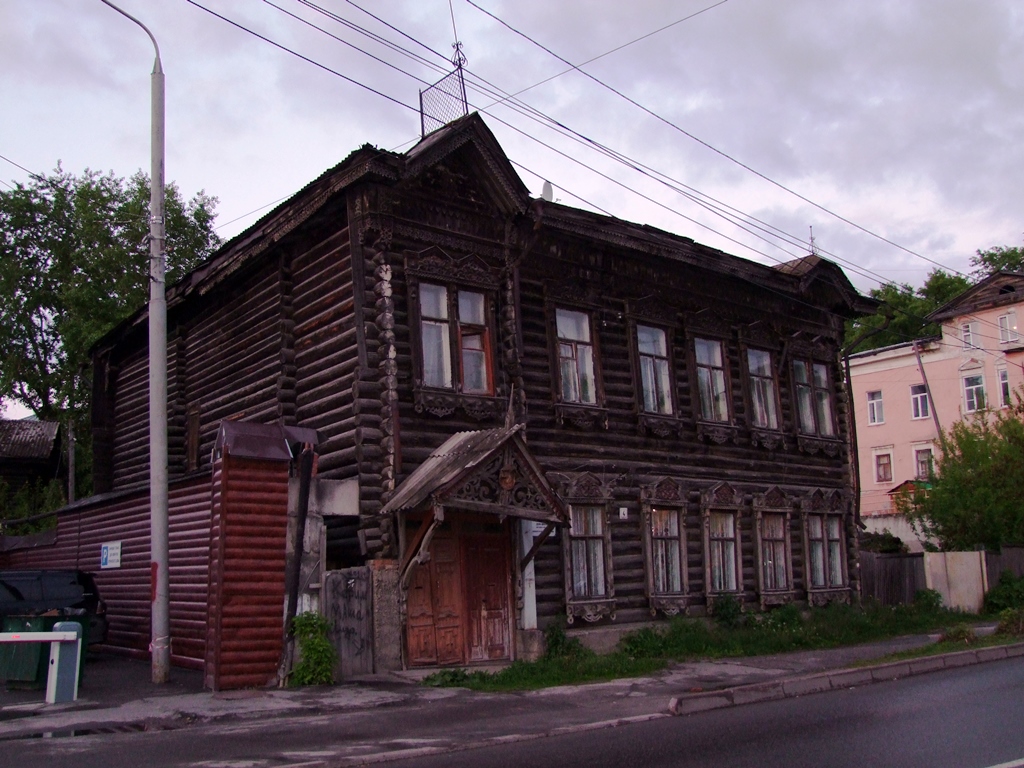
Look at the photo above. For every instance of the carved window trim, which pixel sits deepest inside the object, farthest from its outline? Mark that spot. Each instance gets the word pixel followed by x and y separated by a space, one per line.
pixel 815 432
pixel 637 358
pixel 722 498
pixel 590 608
pixel 668 602
pixel 434 267
pixel 826 505
pixel 773 502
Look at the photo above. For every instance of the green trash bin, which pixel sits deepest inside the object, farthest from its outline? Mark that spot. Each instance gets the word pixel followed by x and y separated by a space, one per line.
pixel 26 665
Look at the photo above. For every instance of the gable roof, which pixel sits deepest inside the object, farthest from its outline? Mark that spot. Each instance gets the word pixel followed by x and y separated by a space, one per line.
pixel 461 457
pixel 27 438
pixel 1002 288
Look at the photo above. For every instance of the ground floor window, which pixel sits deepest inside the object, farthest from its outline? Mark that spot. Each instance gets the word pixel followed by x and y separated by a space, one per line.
pixel 587 551
pixel 774 552
pixel 824 533
pixel 667 551
pixel 722 542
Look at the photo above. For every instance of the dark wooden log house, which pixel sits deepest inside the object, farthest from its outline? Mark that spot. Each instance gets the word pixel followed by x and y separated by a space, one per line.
pixel 550 415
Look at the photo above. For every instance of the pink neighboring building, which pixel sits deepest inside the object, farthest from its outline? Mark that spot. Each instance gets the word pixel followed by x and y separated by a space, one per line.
pixel 905 393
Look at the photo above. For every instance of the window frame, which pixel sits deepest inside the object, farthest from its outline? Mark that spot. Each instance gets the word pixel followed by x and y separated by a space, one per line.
pixel 726 393
pixel 1005 392
pixel 876 408
pixel 971 391
pixel 827 550
pixel 880 465
pixel 679 548
pixel 1007 331
pixel 559 388
pixel 920 404
pixel 813 389
pixel 773 386
pixel 786 547
pixel 589 607
pixel 638 369
pixel 454 333
pixel 918 451
pixel 967 333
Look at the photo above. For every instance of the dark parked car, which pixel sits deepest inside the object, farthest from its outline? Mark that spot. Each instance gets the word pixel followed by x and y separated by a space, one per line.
pixel 69 595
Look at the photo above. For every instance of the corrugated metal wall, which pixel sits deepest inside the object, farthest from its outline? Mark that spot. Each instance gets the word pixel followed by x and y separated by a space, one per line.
pixel 247 565
pixel 126 590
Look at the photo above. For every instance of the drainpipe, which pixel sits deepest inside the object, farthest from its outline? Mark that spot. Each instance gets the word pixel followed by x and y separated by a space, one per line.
pixel 294 568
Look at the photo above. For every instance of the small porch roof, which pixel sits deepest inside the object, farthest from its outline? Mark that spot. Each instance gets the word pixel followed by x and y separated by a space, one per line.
pixel 465 454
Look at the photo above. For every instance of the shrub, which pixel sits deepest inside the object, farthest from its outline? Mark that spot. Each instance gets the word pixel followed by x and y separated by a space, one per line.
pixel 783 619
pixel 884 543
pixel 317 654
pixel 1011 622
pixel 928 600
pixel 558 645
pixel 727 611
pixel 959 633
pixel 1008 593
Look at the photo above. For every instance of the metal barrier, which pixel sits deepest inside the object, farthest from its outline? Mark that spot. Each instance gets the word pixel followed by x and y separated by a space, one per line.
pixel 65 653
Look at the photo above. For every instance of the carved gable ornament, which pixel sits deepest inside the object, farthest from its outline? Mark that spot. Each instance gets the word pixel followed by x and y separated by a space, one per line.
pixel 721 495
pixel 506 484
pixel 774 499
pixel 436 264
pixel 666 490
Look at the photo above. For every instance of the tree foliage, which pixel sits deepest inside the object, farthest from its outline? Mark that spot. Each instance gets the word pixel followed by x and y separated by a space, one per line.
pixel 975 495
pixel 1008 257
pixel 906 307
pixel 74 262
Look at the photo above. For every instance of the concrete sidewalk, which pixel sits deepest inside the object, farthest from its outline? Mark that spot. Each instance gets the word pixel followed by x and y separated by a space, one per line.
pixel 116 695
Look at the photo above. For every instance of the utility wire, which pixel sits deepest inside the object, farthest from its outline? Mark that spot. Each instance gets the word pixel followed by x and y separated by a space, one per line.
pixel 714 149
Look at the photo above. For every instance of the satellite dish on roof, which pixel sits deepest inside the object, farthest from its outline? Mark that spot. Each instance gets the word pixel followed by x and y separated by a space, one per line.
pixel 547 193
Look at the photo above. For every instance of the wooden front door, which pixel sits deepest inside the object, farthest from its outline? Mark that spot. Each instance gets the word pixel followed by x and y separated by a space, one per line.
pixel 458 607
pixel 487 597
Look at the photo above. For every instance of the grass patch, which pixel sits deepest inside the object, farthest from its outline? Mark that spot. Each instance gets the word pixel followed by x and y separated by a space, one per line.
pixel 940 646
pixel 648 650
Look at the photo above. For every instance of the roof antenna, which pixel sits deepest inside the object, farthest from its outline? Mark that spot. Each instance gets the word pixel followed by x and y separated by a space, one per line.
pixel 814 247
pixel 445 101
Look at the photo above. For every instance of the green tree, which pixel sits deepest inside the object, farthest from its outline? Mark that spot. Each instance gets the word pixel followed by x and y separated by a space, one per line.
pixel 1009 257
pixel 906 307
pixel 974 496
pixel 74 254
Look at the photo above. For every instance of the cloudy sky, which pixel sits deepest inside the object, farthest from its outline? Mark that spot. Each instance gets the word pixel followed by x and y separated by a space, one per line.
pixel 868 120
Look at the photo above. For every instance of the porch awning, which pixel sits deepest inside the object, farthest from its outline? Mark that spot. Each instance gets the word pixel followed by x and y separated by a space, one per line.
pixel 488 471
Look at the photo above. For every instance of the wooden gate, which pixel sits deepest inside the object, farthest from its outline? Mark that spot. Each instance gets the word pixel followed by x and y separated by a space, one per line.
pixel 487 599
pixel 347 604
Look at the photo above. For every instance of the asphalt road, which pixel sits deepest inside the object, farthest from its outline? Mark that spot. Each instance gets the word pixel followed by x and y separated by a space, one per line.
pixel 966 718
pixel 972 717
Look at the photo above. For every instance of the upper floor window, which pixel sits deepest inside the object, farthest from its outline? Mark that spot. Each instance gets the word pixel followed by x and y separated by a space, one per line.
pixel 456 340
pixel 576 357
pixel 923 463
pixel 875 413
pixel 714 402
pixel 919 401
pixel 824 534
pixel 655 375
pixel 974 393
pixel 764 409
pixel 968 335
pixel 1004 387
pixel 813 398
pixel 1007 328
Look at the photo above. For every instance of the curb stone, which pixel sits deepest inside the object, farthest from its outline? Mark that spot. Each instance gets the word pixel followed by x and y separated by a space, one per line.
pixel 834 680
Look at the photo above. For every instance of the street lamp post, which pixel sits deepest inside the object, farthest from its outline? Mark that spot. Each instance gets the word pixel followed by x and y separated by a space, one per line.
pixel 160 633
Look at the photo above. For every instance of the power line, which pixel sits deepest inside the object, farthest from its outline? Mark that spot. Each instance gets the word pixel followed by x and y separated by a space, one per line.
pixel 300 56
pixel 714 149
pixel 19 165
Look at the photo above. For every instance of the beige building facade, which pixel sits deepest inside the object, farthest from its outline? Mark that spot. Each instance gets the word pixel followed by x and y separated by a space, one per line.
pixel 903 395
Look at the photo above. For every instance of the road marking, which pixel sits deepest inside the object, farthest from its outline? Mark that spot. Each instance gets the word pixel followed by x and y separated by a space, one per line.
pixel 1011 764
